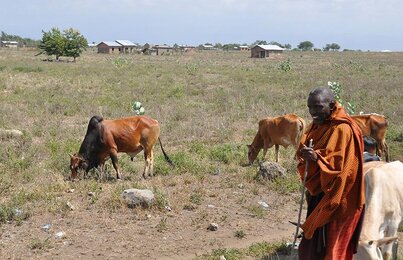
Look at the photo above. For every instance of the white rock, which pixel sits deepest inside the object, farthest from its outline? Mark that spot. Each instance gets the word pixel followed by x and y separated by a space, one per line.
pixel 134 197
pixel 213 227
pixel 70 206
pixel 46 227
pixel 60 234
pixel 263 204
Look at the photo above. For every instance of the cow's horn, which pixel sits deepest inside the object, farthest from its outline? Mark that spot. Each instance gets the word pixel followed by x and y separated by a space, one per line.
pixel 385 240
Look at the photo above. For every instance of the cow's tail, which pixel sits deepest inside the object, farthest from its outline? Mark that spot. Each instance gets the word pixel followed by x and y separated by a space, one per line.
pixel 165 154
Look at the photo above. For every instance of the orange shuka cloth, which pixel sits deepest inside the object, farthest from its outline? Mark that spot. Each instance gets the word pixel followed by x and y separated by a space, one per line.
pixel 338 171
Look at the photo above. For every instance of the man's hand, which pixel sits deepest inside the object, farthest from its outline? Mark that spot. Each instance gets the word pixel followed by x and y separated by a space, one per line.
pixel 308 154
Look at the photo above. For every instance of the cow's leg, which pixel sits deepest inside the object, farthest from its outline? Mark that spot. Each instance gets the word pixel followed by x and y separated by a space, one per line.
pixel 276 148
pixel 147 162
pixel 391 231
pixel 264 153
pixel 151 169
pixel 385 150
pixel 115 163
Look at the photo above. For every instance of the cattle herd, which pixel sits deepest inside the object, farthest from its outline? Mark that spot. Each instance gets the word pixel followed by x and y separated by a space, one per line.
pixel 383 179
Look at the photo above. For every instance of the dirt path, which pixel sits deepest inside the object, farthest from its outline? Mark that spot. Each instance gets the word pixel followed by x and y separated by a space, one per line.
pixel 130 236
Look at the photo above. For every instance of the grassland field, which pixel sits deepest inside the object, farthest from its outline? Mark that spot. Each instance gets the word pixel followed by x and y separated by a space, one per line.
pixel 208 104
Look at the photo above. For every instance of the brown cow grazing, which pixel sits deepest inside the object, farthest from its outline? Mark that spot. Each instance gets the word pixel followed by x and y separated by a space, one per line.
pixel 282 130
pixel 107 138
pixel 375 126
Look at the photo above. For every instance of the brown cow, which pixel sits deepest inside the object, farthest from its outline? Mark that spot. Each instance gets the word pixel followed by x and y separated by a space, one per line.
pixel 375 126
pixel 107 138
pixel 282 130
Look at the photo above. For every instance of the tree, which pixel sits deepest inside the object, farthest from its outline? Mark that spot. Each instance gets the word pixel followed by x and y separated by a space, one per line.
pixel 22 41
pixel 305 46
pixel 75 43
pixel 218 45
pixel 70 43
pixel 52 43
pixel 276 43
pixel 332 46
pixel 259 42
pixel 230 46
pixel 287 46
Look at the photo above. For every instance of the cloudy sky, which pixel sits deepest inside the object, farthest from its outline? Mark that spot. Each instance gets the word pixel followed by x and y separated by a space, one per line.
pixel 353 24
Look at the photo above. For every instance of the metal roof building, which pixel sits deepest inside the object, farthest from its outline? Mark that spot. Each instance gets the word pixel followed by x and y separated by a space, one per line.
pixel 264 51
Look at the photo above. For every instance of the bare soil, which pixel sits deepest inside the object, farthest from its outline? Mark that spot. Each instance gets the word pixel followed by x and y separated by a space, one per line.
pixel 95 232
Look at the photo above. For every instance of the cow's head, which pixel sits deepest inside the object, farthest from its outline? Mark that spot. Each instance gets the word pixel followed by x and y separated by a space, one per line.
pixel 77 163
pixel 252 154
pixel 370 249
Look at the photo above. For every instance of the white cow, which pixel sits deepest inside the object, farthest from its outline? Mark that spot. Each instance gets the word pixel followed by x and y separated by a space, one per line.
pixel 384 209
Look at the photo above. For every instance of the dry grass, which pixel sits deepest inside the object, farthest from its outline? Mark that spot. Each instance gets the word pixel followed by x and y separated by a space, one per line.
pixel 208 105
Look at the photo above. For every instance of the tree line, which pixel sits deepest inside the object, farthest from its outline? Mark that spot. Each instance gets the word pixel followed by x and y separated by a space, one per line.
pixel 21 41
pixel 302 46
pixel 70 43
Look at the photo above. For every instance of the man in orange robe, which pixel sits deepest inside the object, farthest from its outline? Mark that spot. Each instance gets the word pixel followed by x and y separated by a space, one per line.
pixel 334 180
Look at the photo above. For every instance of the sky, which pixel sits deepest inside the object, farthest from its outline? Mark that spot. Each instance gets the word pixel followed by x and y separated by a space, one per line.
pixel 353 24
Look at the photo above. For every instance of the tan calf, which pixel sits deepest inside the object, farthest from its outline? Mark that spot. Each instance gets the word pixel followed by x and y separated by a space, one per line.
pixel 283 130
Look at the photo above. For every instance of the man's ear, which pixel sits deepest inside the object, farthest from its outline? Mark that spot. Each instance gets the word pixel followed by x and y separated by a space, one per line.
pixel 332 105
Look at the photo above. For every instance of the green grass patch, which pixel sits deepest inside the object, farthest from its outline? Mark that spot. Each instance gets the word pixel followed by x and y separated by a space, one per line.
pixel 262 250
pixel 28 69
pixel 227 153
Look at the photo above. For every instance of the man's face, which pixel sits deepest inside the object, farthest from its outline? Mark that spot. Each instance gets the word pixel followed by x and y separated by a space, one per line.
pixel 320 108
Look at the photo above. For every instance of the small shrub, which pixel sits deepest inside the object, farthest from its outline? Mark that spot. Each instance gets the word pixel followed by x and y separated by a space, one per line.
pixel 161 199
pixel 337 92
pixel 178 92
pixel 196 198
pixel 239 234
pixel 120 62
pixel 40 244
pixel 229 254
pixel 285 65
pixel 11 213
pixel 258 211
pixel 192 68
pixel 162 225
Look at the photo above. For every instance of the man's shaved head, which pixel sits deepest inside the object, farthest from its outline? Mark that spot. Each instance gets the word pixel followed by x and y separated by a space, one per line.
pixel 325 92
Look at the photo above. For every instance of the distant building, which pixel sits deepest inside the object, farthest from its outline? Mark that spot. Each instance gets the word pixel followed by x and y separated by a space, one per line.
pixel 118 46
pixel 9 44
pixel 109 47
pixel 186 47
pixel 264 51
pixel 128 46
pixel 244 48
pixel 163 49
pixel 207 47
pixel 159 49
